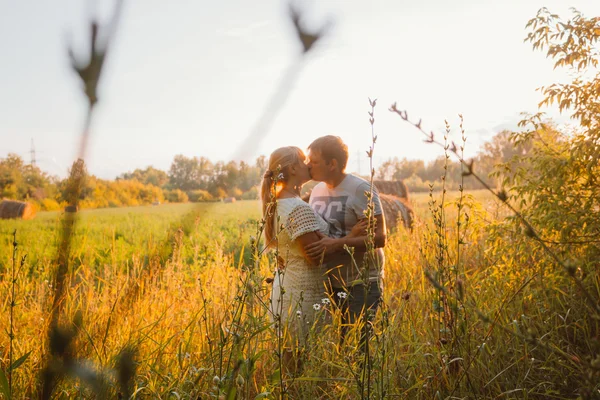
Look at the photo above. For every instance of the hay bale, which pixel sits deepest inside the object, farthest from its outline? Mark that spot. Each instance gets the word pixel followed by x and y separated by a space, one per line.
pixel 229 200
pixel 16 209
pixel 396 210
pixel 394 188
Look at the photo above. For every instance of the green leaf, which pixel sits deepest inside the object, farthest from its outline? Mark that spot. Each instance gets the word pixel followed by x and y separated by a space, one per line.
pixel 232 393
pixel 18 362
pixel 276 376
pixel 4 389
pixel 263 395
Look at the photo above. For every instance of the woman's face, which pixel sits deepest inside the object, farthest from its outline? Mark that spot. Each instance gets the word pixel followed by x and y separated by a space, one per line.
pixel 302 171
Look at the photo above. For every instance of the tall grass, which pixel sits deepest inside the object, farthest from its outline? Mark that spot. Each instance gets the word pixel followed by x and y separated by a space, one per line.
pixel 199 319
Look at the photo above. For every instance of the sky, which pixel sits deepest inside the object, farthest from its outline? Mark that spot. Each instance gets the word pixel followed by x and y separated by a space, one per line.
pixel 193 77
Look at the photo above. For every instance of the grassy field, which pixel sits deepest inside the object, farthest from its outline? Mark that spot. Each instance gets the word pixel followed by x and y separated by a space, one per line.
pixel 180 286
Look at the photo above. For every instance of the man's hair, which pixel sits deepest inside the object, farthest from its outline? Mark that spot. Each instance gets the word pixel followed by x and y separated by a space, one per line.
pixel 331 147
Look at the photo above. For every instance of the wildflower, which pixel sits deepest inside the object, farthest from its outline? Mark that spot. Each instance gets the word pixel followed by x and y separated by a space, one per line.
pixel 326 301
pixel 317 306
pixel 298 313
pixel 342 295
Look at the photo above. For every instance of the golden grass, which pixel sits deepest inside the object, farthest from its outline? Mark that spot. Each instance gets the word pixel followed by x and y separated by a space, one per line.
pixel 200 327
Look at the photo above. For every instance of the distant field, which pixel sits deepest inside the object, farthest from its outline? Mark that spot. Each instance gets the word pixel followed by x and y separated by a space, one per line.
pixel 121 232
pixel 112 235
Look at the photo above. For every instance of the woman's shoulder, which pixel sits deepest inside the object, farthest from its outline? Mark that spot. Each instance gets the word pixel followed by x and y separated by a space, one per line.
pixel 289 204
pixel 292 201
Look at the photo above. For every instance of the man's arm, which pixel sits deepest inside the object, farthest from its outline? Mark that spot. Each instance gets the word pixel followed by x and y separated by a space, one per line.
pixel 326 245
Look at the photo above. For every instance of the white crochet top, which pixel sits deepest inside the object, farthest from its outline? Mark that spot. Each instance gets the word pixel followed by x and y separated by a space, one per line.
pixel 304 283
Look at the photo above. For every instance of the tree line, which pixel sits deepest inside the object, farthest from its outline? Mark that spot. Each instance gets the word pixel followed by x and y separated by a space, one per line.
pixel 199 179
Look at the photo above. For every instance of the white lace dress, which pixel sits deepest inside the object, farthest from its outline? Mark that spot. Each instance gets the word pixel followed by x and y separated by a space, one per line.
pixel 300 285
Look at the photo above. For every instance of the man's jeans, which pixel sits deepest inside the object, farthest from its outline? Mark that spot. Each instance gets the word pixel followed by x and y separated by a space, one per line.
pixel 352 304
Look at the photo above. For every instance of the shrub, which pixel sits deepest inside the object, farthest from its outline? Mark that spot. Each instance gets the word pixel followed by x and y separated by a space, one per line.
pixel 199 195
pixel 251 194
pixel 49 205
pixel 235 192
pixel 176 196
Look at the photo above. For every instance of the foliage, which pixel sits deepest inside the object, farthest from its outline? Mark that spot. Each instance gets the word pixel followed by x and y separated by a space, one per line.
pixel 176 196
pixel 148 176
pixel 199 195
pixel 556 184
pixel 20 181
pixel 251 194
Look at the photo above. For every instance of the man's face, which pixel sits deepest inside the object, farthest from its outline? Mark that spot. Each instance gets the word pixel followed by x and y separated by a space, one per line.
pixel 319 169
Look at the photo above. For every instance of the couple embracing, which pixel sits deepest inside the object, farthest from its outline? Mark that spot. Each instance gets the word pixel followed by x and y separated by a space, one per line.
pixel 313 238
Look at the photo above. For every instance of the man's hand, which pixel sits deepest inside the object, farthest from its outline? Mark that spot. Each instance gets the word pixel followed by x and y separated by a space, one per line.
pixel 323 246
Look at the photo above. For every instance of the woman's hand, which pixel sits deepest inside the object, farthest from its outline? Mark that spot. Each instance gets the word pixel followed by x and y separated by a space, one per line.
pixel 323 247
pixel 360 229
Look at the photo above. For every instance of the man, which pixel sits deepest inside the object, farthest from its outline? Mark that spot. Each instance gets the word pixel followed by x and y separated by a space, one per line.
pixel 341 199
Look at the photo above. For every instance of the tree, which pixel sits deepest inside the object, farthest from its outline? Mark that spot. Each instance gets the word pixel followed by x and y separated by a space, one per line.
pixel 77 186
pixel 261 163
pixel 22 181
pixel 559 188
pixel 184 173
pixel 148 176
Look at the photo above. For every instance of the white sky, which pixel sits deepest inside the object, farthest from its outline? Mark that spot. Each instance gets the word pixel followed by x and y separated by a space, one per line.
pixel 192 77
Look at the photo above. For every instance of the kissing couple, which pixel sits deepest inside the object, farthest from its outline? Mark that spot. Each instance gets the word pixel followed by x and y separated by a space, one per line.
pixel 313 239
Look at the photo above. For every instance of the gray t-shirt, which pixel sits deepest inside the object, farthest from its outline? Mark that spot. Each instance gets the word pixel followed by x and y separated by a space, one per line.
pixel 342 207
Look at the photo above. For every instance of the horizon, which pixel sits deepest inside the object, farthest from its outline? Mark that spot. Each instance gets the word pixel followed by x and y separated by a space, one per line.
pixel 181 90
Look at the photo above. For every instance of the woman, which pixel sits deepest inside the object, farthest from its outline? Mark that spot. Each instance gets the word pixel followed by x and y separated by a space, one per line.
pixel 299 286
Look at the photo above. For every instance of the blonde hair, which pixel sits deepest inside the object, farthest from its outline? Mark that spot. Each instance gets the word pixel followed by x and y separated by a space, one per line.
pixel 279 163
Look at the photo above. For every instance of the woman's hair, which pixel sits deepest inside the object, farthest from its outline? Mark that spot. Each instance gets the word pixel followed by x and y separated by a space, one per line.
pixel 279 163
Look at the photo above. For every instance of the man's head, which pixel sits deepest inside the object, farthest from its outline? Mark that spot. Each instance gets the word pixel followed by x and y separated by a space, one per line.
pixel 327 157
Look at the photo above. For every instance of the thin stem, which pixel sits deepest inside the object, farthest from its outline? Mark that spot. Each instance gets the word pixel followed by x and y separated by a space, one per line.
pixel 11 334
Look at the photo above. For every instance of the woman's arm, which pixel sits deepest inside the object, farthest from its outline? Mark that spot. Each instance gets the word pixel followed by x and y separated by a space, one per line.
pixel 303 227
pixel 327 246
pixel 306 241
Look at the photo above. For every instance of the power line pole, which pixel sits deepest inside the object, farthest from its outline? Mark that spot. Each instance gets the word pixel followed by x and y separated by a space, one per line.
pixel 32 152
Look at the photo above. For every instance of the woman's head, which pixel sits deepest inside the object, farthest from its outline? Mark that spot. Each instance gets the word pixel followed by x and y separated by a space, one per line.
pixel 284 158
pixel 286 164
